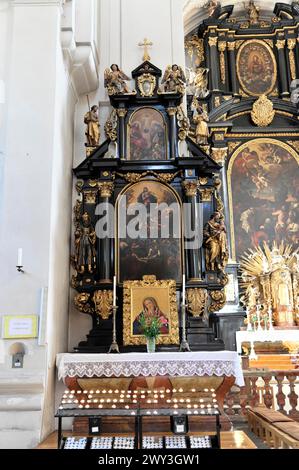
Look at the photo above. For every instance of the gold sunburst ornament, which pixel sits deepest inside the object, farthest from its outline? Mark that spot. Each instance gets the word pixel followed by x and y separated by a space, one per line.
pixel 262 112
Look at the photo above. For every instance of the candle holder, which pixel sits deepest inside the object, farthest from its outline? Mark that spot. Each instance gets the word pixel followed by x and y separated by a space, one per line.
pixel 20 269
pixel 252 355
pixel 258 313
pixel 184 346
pixel 114 346
pixel 270 319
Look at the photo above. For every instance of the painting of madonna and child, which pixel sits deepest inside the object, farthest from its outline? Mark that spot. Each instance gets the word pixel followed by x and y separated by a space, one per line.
pixel 149 232
pixel 263 177
pixel 147 135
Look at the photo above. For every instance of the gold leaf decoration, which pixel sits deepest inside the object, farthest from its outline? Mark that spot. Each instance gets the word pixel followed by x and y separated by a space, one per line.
pixel 262 112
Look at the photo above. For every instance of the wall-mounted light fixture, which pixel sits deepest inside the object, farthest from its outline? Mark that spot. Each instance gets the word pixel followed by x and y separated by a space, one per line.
pixel 20 258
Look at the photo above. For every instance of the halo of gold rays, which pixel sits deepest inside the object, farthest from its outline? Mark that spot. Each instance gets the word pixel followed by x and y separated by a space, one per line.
pixel 252 264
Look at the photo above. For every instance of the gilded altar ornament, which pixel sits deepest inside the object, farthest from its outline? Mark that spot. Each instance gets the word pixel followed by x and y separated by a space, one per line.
pixel 215 243
pixel 195 49
pixel 222 48
pixel 145 44
pixel 146 84
pixel 262 112
pixel 218 300
pixel 82 303
pixel 200 82
pixel 253 12
pixel 111 126
pixel 91 119
pixel 212 6
pixel 115 81
pixel 197 302
pixel 103 301
pixel 85 240
pixel 190 188
pixel 219 154
pixel 206 194
pixel 183 123
pixel 90 197
pixel 271 276
pixel 173 81
pixel 106 189
pixel 292 61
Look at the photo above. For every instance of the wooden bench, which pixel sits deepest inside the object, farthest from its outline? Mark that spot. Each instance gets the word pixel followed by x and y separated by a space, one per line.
pixel 273 427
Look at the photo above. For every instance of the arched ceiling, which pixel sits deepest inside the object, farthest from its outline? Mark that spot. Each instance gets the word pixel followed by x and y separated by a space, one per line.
pixel 194 11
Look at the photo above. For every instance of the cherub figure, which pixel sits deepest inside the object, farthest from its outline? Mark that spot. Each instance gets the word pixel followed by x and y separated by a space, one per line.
pixel 174 80
pixel 115 81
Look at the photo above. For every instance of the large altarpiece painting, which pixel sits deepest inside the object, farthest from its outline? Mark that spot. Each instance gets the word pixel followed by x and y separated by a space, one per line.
pixel 263 181
pixel 151 252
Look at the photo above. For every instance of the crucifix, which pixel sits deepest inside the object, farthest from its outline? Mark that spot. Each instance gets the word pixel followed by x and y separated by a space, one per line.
pixel 146 43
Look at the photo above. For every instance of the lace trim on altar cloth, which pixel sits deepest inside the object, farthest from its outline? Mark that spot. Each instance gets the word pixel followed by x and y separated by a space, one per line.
pixel 137 369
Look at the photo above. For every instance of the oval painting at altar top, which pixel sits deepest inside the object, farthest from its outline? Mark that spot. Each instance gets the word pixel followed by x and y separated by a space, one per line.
pixel 256 67
pixel 147 135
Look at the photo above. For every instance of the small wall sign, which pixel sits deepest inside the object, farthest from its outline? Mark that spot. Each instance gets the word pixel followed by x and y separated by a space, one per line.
pixel 20 326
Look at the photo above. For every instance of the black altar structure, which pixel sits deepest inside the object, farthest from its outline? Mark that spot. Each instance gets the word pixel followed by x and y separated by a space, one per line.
pixel 177 164
pixel 253 65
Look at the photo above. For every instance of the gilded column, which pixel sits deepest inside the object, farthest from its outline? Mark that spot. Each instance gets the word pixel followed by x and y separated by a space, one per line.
pixel 172 131
pixel 232 67
pixel 292 59
pixel 121 112
pixel 105 251
pixel 282 65
pixel 214 69
pixel 220 156
pixel 222 49
pixel 193 225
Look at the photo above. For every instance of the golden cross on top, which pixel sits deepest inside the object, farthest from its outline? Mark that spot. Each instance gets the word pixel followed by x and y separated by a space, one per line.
pixel 146 43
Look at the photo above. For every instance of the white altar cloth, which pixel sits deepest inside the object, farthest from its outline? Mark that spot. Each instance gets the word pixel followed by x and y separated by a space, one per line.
pixel 261 336
pixel 179 364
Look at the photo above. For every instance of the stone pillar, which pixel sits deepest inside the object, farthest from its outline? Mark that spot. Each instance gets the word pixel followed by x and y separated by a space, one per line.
pixel 214 69
pixel 104 252
pixel 121 112
pixel 192 255
pixel 232 67
pixel 282 67
pixel 172 131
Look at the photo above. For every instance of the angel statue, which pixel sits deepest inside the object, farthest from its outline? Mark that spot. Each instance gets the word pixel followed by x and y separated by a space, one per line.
pixel 211 6
pixel 115 81
pixel 174 80
pixel 91 119
pixel 253 11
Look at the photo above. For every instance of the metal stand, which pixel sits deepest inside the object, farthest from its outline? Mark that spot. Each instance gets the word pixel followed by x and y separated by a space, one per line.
pixel 184 343
pixel 114 346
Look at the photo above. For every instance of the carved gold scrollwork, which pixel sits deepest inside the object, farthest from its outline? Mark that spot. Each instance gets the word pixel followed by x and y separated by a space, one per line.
pixel 218 300
pixel 146 84
pixel 295 144
pixel 219 202
pixel 197 302
pixel 222 47
pixel 213 41
pixel 106 189
pixel 103 301
pixel 262 112
pixel 111 126
pixel 195 46
pixel 136 177
pixel 190 188
pixel 206 194
pixel 183 123
pixel 82 303
pixel 90 197
pixel 291 45
pixel 219 155
pixel 232 146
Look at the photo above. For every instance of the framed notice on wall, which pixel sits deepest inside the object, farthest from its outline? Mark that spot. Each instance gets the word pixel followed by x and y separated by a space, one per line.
pixel 20 326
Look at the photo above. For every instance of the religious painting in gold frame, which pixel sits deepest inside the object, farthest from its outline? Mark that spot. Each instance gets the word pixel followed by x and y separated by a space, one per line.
pixel 150 297
pixel 159 255
pixel 147 135
pixel 263 182
pixel 256 67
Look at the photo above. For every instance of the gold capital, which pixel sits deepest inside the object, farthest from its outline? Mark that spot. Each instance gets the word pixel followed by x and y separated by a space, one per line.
pixel 213 41
pixel 106 188
pixel 190 187
pixel 280 43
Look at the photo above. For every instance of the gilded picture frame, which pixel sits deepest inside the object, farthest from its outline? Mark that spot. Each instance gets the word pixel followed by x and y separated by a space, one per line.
pixel 162 294
pixel 256 67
